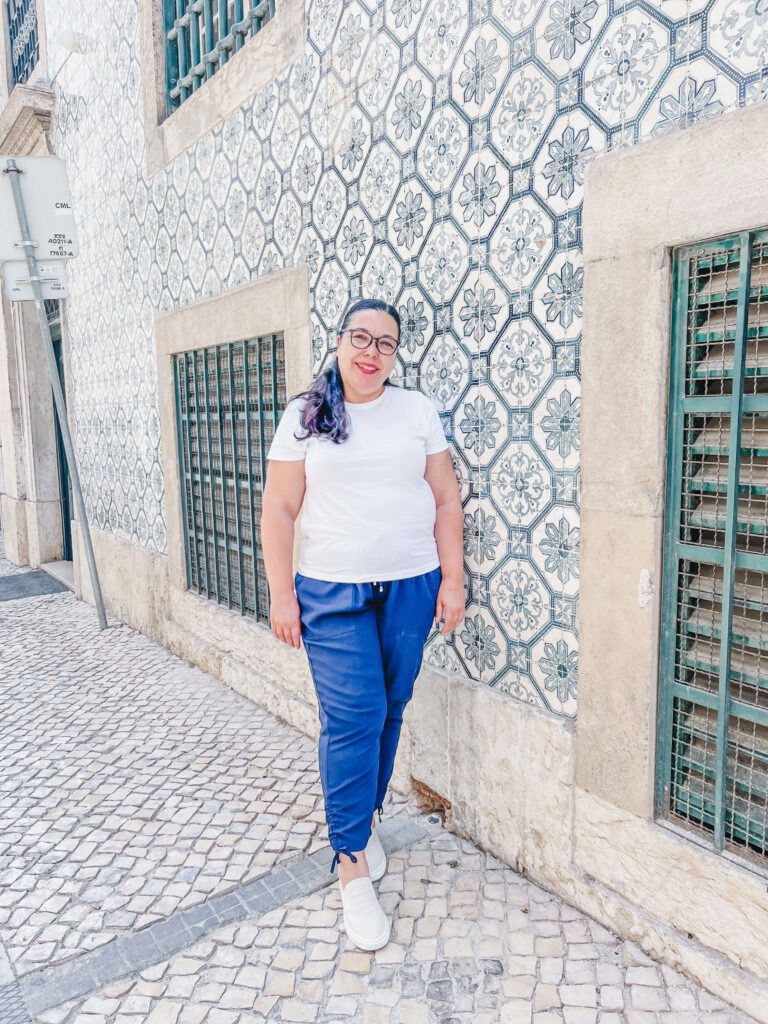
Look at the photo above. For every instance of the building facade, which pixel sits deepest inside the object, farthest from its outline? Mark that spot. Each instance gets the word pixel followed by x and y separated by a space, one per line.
pixel 537 187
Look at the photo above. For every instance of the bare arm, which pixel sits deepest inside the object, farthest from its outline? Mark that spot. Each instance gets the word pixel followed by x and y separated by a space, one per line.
pixel 449 534
pixel 283 495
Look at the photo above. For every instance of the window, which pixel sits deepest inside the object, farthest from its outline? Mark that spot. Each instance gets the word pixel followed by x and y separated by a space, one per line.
pixel 201 36
pixel 712 768
pixel 229 399
pixel 22 37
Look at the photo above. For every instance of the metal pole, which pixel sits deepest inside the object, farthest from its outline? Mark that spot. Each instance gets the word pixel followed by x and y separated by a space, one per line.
pixel 34 276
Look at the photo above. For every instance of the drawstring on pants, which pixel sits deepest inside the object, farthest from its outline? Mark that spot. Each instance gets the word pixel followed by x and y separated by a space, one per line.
pixel 337 858
pixel 378 811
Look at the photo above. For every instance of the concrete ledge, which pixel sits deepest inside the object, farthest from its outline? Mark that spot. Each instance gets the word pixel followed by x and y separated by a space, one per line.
pixel 655 871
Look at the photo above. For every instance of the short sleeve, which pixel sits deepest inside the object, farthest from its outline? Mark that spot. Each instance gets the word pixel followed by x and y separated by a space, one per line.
pixel 436 441
pixel 284 446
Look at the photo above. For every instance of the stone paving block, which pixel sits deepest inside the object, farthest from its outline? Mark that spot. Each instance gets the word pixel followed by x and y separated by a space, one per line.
pixel 218 1016
pixel 117 989
pixel 640 1017
pixel 520 987
pixel 457 947
pixel 264 1004
pixel 427 927
pixel 516 1011
pixel 611 997
pixel 251 977
pixel 295 1010
pixel 643 997
pixel 317 969
pixel 578 995
pixel 192 1014
pixel 609 974
pixel 279 983
pixel 546 997
pixel 288 959
pixel 643 975
pixel 376 1015
pixel 579 1015
pixel 341 1006
pixel 580 972
pixel 412 1012
pixel 358 963
pixel 164 1012
pixel 345 983
pixel 681 999
pixel 390 954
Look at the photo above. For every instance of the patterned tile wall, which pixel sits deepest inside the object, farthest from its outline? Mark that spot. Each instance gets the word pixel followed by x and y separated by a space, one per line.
pixel 426 151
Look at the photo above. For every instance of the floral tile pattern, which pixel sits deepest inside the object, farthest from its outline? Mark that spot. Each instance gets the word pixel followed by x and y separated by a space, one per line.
pixel 426 152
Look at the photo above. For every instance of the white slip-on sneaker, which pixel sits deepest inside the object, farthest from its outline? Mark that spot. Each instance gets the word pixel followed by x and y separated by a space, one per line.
pixel 375 856
pixel 366 924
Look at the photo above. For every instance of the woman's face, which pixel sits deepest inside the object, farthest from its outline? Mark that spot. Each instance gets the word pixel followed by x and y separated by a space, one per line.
pixel 363 371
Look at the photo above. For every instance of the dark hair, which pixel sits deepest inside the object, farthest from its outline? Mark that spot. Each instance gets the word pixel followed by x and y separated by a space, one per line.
pixel 324 413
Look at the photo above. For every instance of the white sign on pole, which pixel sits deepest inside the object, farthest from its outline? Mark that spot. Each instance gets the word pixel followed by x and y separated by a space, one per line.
pixel 53 280
pixel 49 209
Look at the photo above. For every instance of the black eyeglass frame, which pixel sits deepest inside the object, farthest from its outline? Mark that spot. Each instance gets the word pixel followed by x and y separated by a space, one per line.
pixel 371 337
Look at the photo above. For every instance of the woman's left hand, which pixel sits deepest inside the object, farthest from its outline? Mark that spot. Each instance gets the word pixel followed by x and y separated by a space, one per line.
pixel 450 605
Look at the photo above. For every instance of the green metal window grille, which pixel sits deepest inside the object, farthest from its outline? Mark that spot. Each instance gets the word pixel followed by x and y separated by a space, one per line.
pixel 52 311
pixel 229 399
pixel 712 769
pixel 22 35
pixel 201 36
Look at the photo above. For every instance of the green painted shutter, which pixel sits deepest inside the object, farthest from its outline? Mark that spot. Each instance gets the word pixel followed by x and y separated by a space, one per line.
pixel 228 402
pixel 712 752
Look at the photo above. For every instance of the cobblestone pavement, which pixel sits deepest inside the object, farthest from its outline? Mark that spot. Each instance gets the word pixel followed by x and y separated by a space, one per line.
pixel 163 859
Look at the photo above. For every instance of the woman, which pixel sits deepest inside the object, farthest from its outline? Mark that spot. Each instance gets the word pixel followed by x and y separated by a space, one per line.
pixel 381 558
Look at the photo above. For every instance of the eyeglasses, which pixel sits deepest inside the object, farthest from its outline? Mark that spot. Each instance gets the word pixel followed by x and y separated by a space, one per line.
pixel 386 344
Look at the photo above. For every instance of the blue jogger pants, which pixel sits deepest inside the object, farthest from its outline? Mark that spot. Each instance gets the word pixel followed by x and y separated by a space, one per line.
pixel 365 643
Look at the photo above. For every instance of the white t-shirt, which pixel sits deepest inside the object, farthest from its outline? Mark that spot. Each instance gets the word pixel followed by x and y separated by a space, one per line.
pixel 368 512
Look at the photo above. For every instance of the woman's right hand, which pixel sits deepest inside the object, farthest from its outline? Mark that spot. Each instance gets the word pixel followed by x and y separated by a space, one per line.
pixel 284 619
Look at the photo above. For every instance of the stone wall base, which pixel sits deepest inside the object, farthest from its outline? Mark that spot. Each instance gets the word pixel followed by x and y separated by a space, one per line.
pixel 15 537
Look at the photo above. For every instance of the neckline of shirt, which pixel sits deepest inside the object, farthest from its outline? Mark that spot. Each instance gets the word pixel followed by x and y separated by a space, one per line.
pixel 369 405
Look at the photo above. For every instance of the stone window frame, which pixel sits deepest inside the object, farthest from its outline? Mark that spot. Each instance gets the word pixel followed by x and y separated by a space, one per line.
pixel 705 182
pixel 261 59
pixel 275 304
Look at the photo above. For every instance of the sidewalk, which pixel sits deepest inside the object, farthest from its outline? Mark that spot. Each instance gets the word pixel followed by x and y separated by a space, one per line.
pixel 163 859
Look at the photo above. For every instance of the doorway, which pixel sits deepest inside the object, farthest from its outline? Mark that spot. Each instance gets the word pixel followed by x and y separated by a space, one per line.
pixel 65 482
